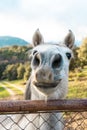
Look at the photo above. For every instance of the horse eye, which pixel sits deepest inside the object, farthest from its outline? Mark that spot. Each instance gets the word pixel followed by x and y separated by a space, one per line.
pixel 68 55
pixel 34 52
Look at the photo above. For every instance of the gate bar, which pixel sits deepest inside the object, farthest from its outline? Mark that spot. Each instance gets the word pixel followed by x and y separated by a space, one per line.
pixel 34 106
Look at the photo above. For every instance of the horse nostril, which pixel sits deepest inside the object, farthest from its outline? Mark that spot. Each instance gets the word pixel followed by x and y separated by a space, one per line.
pixel 36 60
pixel 57 61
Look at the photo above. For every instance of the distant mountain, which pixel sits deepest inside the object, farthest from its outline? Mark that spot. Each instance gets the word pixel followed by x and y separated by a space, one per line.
pixel 9 41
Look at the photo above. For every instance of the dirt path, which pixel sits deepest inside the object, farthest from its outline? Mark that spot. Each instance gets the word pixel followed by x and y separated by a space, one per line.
pixel 9 90
pixel 17 87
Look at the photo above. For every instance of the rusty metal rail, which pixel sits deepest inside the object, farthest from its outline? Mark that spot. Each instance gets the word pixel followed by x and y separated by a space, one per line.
pixel 24 106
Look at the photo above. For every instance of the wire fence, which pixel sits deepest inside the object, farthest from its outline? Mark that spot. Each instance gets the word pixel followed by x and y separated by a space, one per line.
pixel 24 115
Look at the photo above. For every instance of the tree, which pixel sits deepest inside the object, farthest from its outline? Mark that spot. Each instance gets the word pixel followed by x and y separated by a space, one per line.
pixel 2 68
pixel 20 71
pixel 82 52
pixel 75 61
pixel 10 72
pixel 27 71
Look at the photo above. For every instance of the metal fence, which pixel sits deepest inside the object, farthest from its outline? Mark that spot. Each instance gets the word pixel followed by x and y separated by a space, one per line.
pixel 15 114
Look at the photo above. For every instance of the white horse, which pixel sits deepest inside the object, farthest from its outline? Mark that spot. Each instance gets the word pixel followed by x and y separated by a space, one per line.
pixel 49 77
pixel 48 80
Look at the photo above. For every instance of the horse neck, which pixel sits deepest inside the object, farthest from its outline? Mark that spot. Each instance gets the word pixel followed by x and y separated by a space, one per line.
pixel 46 121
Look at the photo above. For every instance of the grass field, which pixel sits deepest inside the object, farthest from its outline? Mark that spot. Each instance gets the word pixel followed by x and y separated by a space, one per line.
pixel 3 93
pixel 77 86
pixel 77 89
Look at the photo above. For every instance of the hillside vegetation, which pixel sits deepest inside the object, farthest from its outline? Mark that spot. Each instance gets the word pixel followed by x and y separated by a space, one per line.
pixel 14 62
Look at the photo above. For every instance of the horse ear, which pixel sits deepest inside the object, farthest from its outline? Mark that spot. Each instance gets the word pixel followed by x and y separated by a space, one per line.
pixel 37 38
pixel 69 39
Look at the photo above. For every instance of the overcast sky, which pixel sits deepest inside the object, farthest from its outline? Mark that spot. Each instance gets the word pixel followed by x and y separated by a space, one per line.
pixel 54 18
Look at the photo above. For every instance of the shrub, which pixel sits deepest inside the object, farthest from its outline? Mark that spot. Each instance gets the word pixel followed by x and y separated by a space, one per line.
pixel 20 71
pixel 10 72
pixel 27 71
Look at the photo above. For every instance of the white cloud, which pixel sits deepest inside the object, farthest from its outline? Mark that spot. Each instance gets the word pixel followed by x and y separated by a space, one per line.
pixel 81 32
pixel 15 26
pixel 11 25
pixel 53 17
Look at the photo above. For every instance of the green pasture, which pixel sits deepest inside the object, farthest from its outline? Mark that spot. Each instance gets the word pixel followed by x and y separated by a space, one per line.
pixel 78 83
pixel 4 93
pixel 77 89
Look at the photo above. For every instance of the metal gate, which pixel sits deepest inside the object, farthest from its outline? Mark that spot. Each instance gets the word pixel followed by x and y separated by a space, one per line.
pixel 74 113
